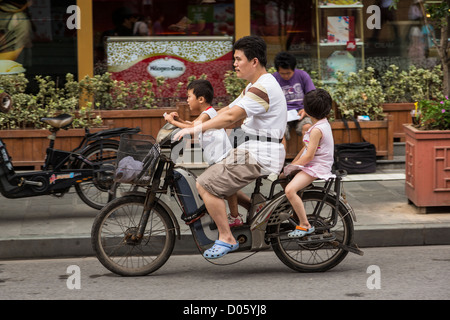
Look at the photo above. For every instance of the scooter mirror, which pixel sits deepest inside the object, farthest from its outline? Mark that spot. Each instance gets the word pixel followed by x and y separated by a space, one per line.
pixel 165 133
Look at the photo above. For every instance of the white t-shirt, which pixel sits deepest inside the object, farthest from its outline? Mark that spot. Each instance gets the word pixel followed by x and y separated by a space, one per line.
pixel 265 105
pixel 215 142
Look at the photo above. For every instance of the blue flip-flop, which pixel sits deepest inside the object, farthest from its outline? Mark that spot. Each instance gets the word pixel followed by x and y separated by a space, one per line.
pixel 300 232
pixel 219 249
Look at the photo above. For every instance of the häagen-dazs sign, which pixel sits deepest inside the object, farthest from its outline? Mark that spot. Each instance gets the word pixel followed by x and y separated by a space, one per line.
pixel 176 59
pixel 167 68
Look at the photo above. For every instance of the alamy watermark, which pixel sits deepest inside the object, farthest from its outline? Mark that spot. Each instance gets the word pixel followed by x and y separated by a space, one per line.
pixel 374 280
pixel 73 282
pixel 374 20
pixel 74 20
pixel 217 146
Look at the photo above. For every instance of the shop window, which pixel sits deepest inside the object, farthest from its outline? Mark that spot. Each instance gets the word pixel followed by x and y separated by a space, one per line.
pixel 401 39
pixel 34 39
pixel 160 18
pixel 285 26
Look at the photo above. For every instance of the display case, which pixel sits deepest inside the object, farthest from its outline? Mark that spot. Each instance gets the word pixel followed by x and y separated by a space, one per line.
pixel 340 37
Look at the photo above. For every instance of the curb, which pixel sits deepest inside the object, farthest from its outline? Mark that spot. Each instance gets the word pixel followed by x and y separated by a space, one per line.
pixel 65 247
pixel 58 247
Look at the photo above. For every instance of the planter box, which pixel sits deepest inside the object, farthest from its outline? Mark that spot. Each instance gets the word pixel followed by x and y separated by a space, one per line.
pixel 294 144
pixel 380 133
pixel 20 142
pixel 401 113
pixel 149 120
pixel 27 147
pixel 427 181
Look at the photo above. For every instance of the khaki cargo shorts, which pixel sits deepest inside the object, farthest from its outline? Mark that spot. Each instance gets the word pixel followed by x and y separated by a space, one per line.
pixel 231 174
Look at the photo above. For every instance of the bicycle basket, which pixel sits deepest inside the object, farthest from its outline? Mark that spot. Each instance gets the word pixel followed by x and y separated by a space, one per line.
pixel 137 158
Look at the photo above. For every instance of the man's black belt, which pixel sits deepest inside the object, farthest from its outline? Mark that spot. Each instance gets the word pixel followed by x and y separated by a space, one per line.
pixel 238 136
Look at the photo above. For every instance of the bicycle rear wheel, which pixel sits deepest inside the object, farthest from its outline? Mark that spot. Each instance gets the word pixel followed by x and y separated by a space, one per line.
pixel 314 256
pixel 113 232
pixel 95 192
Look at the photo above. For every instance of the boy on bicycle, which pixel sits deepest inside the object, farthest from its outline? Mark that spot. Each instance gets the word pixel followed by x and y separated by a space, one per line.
pixel 215 143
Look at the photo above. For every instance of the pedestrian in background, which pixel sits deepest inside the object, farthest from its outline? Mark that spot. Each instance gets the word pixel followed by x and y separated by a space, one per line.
pixel 295 83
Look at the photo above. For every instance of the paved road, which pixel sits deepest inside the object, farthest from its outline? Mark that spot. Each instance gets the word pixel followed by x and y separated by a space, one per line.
pixel 382 273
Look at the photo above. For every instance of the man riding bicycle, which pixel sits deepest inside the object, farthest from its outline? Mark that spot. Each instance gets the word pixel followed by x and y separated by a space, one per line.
pixel 263 105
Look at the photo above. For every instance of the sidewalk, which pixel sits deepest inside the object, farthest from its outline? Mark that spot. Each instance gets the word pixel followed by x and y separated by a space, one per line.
pixel 50 227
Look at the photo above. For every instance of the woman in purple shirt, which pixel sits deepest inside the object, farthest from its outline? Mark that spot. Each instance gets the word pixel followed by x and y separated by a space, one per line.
pixel 295 84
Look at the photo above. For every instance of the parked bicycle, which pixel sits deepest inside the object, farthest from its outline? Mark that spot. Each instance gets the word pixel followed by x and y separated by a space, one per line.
pixel 135 234
pixel 89 167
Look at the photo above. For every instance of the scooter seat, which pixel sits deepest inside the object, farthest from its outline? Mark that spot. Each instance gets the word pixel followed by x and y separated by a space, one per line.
pixel 60 122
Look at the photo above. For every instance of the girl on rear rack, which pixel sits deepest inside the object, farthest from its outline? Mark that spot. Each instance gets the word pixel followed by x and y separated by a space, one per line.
pixel 315 160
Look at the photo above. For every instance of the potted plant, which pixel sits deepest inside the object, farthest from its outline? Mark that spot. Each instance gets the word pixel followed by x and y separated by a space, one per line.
pixel 92 102
pixel 354 94
pixel 427 181
pixel 361 94
pixel 21 128
pixel 29 108
pixel 134 104
pixel 403 88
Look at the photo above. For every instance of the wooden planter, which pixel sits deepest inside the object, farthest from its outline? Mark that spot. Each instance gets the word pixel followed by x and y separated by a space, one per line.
pixel 28 147
pixel 401 114
pixel 20 142
pixel 427 180
pixel 379 133
pixel 148 120
pixel 294 144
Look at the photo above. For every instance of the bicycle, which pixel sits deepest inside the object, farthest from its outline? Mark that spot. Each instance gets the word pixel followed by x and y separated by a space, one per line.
pixel 89 167
pixel 134 235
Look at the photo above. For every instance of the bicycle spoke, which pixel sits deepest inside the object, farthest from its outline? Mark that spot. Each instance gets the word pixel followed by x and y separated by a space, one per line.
pixel 118 243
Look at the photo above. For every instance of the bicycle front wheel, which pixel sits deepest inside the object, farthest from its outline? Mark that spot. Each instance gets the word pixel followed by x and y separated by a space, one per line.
pixel 319 255
pixel 114 240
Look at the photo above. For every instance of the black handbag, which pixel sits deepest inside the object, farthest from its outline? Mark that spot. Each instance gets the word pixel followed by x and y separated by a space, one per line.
pixel 357 157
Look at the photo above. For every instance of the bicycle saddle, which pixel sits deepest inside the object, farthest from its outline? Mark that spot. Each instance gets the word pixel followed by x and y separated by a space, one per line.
pixel 60 122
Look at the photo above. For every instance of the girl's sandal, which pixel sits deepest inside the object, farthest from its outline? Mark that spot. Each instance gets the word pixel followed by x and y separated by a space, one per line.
pixel 300 232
